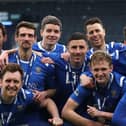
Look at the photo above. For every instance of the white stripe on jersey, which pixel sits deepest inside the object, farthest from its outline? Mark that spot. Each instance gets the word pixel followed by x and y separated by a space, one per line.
pixel 121 81
pixel 23 92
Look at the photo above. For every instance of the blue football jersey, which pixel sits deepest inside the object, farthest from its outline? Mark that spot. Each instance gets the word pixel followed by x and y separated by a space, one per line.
pixel 118 59
pixel 12 114
pixel 119 117
pixel 67 78
pixel 37 75
pixel 58 48
pixel 103 98
pixel 109 48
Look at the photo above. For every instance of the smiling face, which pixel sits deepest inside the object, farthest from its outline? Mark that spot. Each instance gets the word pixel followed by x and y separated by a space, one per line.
pixel 77 50
pixel 96 35
pixel 11 84
pixel 51 34
pixel 101 66
pixel 101 71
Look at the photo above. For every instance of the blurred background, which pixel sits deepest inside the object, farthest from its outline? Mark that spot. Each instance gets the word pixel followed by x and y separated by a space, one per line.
pixel 72 13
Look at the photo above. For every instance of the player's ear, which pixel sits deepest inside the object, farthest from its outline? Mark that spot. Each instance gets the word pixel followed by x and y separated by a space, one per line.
pixel 5 38
pixel 15 37
pixel 111 67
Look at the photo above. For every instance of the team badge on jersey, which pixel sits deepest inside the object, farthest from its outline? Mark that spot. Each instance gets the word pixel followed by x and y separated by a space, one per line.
pixel 38 69
pixel 113 93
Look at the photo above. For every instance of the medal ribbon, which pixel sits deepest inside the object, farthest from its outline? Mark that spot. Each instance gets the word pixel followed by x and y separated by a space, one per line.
pixel 29 68
pixel 5 121
pixel 99 101
pixel 74 75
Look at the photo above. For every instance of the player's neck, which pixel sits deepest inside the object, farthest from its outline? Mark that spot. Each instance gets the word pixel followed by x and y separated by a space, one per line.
pixel 25 54
pixel 7 100
pixel 103 84
pixel 102 47
pixel 76 65
pixel 46 46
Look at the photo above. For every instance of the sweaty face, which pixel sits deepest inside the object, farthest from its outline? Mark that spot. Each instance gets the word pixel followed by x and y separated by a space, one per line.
pixel 25 38
pixel 77 50
pixel 51 34
pixel 11 84
pixel 96 35
pixel 101 71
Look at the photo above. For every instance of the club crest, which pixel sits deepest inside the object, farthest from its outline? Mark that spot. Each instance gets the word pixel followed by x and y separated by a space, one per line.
pixel 38 69
pixel 113 93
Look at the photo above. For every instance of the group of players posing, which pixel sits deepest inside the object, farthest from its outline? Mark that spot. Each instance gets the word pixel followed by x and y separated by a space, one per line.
pixel 86 87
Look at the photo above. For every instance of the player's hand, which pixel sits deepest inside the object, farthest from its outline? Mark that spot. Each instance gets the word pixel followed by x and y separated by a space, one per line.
pixel 86 81
pixel 92 111
pixel 47 60
pixel 39 95
pixel 3 59
pixel 56 121
pixel 65 56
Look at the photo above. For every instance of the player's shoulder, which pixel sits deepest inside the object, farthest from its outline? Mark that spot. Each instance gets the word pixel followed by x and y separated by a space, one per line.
pixel 119 79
